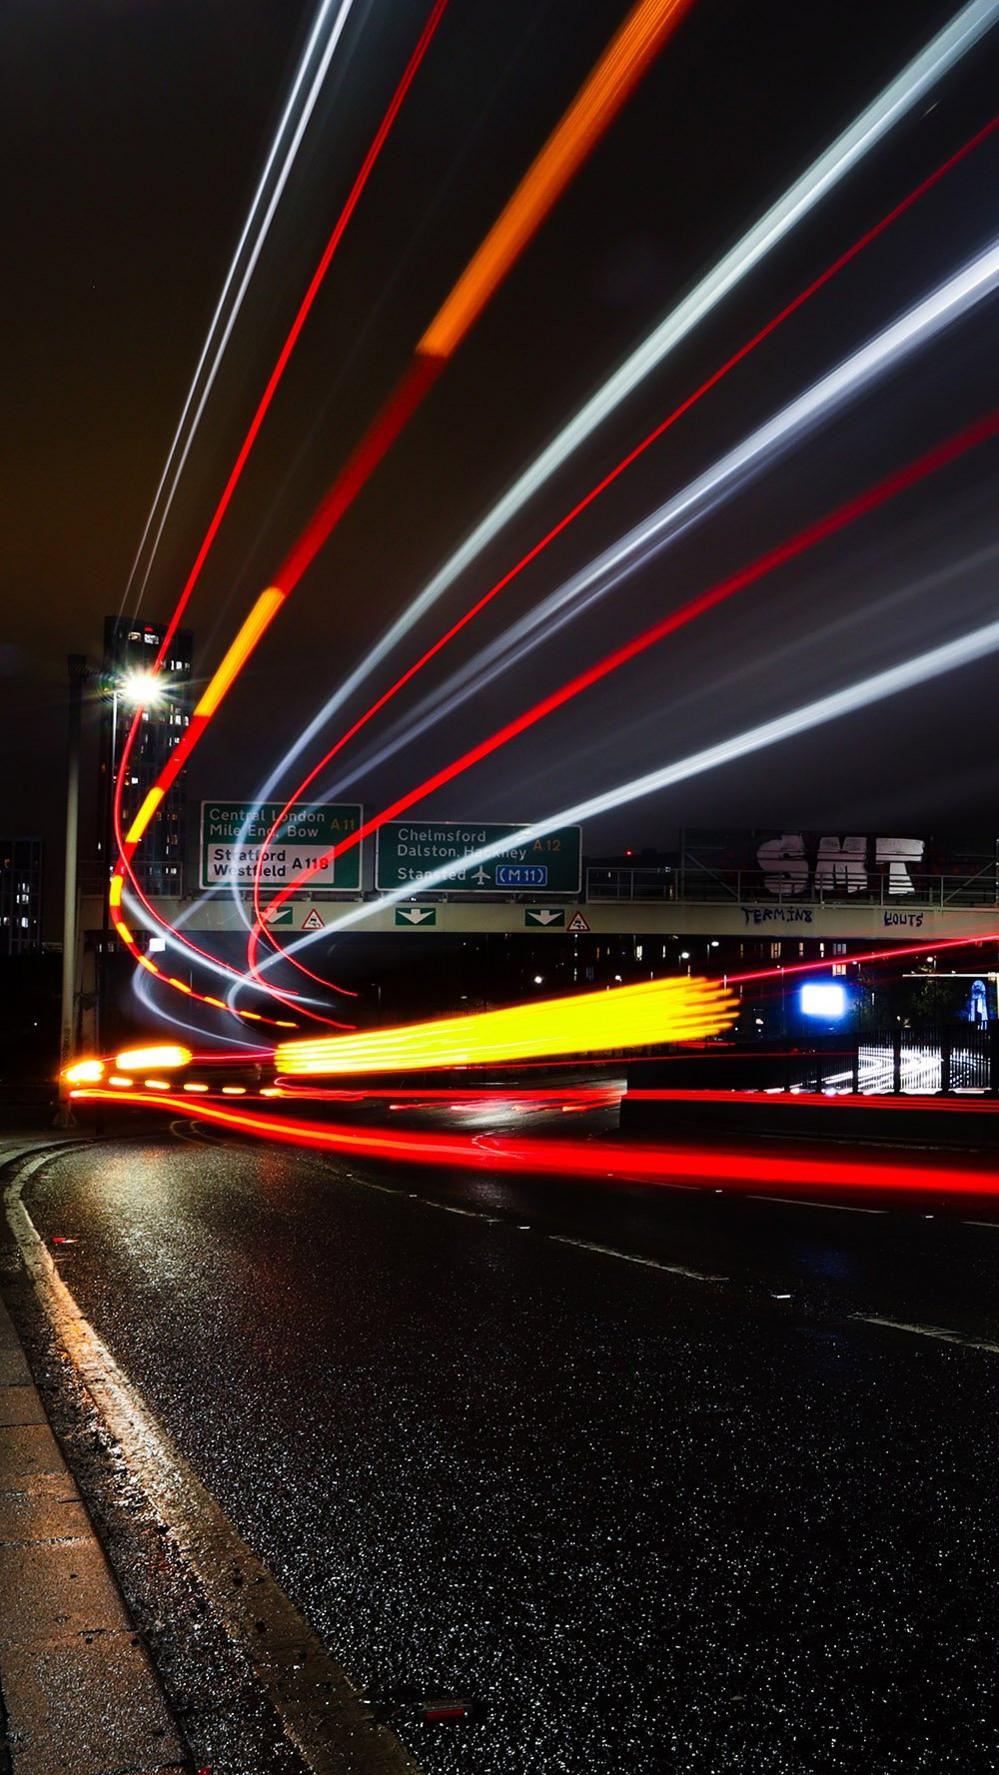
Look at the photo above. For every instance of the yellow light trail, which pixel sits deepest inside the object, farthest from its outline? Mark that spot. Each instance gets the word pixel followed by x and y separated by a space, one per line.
pixel 165 1055
pixel 262 614
pixel 627 1017
pixel 144 815
pixel 83 1072
pixel 592 111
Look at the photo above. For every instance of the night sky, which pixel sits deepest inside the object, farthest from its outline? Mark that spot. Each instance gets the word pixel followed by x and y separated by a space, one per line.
pixel 135 132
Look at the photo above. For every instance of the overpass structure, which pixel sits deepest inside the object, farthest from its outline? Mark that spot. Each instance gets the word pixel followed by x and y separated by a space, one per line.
pixel 635 902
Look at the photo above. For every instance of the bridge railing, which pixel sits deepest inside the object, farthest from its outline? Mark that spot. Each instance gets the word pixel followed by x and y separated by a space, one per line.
pixel 735 886
pixel 941 1059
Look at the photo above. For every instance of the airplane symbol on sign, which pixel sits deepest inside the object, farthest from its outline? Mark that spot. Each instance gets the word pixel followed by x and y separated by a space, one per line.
pixel 480 876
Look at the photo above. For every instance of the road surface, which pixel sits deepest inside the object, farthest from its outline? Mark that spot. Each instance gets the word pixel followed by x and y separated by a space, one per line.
pixel 665 1480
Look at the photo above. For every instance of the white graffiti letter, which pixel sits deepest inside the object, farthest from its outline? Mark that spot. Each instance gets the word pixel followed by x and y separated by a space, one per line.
pixel 897 852
pixel 842 864
pixel 788 849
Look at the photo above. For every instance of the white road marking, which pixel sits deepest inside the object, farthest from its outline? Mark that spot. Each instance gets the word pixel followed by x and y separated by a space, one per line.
pixel 648 1263
pixel 323 1715
pixel 938 1332
pixel 450 1208
pixel 804 1202
pixel 993 1225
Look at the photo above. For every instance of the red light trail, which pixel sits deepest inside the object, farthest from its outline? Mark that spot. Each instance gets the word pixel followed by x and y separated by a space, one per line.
pixel 630 53
pixel 607 1161
pixel 665 425
pixel 831 523
pixel 270 389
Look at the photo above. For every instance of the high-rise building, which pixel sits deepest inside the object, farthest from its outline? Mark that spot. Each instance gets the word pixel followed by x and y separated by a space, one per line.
pixel 130 647
pixel 20 895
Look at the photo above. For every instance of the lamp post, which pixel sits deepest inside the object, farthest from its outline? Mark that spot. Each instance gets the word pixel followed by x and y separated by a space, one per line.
pixel 79 671
pixel 132 691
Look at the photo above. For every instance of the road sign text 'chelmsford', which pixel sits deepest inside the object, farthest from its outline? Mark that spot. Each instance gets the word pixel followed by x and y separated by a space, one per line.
pixel 307 836
pixel 409 850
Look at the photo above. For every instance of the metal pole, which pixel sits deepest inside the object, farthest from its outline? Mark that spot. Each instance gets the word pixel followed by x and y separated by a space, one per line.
pixel 78 671
pixel 107 847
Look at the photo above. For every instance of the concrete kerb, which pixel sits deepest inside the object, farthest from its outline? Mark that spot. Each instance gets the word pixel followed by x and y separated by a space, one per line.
pixel 78 1689
pixel 330 1725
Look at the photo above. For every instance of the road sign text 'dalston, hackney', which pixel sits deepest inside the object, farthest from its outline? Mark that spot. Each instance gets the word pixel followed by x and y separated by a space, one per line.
pixel 409 850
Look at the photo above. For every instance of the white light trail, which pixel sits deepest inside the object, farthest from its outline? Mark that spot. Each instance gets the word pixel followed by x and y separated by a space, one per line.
pixel 849 380
pixel 849 148
pixel 295 117
pixel 934 663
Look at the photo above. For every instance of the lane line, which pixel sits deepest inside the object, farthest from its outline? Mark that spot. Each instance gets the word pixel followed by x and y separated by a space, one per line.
pixel 469 1213
pixel 323 1716
pixel 993 1225
pixel 648 1263
pixel 937 1332
pixel 804 1202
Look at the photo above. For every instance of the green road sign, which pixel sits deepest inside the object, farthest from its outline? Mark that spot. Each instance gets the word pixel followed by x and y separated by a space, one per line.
pixel 545 918
pixel 415 918
pixel 408 849
pixel 305 837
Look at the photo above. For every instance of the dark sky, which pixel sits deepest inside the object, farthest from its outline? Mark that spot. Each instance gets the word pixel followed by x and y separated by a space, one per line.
pixel 135 132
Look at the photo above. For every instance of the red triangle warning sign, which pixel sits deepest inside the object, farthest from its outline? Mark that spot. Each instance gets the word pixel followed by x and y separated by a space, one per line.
pixel 577 923
pixel 313 922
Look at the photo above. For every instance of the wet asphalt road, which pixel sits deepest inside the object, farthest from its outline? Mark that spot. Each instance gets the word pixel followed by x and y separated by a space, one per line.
pixel 652 1521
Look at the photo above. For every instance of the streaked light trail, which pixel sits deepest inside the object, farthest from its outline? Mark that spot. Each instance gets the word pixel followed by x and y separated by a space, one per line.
pixel 625 1017
pixel 894 103
pixel 645 31
pixel 922 669
pixel 849 380
pixel 604 1160
pixel 270 389
pixel 594 108
pixel 643 34
pixel 931 462
pixel 295 118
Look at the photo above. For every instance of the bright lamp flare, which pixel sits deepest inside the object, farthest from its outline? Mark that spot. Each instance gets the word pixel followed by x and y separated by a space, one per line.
pixel 141 690
pixel 166 1057
pixel 630 1017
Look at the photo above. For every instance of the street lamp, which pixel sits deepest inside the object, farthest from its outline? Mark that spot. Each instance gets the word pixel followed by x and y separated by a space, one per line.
pixel 139 690
pixel 133 690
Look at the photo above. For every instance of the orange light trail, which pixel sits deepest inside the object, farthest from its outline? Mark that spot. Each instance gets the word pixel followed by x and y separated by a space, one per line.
pixel 305 307
pixel 591 113
pixel 644 32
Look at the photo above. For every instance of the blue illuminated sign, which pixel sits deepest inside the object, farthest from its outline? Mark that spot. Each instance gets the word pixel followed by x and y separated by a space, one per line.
pixel 825 999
